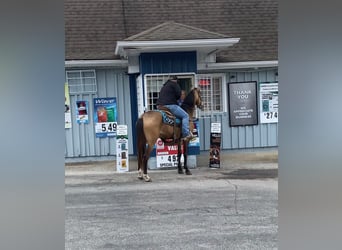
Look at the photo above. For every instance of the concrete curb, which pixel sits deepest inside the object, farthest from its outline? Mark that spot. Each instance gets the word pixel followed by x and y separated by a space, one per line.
pixel 264 158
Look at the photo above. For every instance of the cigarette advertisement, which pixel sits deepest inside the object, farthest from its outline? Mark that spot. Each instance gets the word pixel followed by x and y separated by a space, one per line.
pixel 82 112
pixel 105 117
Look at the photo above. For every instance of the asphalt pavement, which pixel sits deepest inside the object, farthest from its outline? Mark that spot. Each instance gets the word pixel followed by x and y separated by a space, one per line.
pixel 231 207
pixel 243 163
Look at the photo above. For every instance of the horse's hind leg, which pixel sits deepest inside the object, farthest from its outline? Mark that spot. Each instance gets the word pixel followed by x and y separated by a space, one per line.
pixel 146 156
pixel 185 148
pixel 179 154
pixel 140 162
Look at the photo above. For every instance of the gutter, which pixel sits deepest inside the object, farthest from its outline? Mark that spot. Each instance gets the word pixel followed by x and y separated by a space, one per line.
pixel 123 46
pixel 238 65
pixel 95 63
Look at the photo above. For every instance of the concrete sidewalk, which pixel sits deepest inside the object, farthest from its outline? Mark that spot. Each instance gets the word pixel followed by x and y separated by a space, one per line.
pixel 262 159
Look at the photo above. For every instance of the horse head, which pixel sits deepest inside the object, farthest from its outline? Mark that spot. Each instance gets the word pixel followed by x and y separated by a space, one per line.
pixel 198 98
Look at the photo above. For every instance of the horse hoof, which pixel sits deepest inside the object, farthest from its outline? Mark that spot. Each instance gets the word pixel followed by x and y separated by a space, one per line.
pixel 140 176
pixel 187 172
pixel 147 178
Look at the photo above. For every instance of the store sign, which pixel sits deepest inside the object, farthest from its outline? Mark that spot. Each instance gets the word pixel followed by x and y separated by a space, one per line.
pixel 215 145
pixel 105 118
pixel 167 155
pixel 122 149
pixel 243 103
pixel 268 102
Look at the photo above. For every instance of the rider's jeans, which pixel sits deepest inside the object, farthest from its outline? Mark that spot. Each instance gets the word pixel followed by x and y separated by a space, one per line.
pixel 181 114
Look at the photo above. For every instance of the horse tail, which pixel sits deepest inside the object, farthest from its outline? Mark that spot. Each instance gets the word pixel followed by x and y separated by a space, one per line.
pixel 141 141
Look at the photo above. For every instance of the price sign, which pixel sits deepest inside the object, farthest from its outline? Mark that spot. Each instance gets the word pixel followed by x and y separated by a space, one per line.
pixel 106 128
pixel 270 115
pixel 105 119
pixel 268 101
pixel 167 155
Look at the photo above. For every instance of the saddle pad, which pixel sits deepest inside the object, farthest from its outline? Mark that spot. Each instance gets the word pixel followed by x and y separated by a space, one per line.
pixel 169 120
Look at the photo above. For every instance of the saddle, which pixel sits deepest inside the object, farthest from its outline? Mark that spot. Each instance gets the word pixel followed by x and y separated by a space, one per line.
pixel 169 119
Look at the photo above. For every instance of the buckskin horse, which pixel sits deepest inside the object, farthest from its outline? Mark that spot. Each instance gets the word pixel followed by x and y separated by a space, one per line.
pixel 152 125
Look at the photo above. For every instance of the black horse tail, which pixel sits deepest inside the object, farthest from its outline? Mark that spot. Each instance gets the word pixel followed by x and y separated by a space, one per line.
pixel 139 126
pixel 141 139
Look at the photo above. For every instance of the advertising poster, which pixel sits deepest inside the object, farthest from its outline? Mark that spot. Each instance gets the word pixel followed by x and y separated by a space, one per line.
pixel 268 102
pixel 195 131
pixel 67 111
pixel 82 112
pixel 122 149
pixel 167 155
pixel 243 103
pixel 105 116
pixel 215 145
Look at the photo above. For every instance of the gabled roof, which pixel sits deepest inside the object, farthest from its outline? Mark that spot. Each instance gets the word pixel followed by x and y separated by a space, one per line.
pixel 172 36
pixel 174 31
pixel 93 27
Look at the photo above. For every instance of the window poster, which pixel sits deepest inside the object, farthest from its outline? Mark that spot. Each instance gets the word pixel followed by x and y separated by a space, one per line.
pixel 105 116
pixel 243 103
pixel 82 112
pixel 67 112
pixel 268 102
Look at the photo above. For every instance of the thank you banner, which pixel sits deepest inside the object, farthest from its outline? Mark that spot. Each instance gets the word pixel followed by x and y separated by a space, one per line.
pixel 243 103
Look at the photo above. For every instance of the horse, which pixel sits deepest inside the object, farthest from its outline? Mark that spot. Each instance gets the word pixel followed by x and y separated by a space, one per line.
pixel 150 127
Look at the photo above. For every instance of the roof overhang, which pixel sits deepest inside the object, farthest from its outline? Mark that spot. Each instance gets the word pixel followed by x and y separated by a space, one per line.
pixel 134 48
pixel 95 63
pixel 238 65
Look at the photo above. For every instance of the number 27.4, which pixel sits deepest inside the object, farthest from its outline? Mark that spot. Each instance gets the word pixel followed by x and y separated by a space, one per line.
pixel 270 115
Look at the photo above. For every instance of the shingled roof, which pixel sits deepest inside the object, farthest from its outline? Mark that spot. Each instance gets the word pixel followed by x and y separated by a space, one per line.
pixel 92 27
pixel 174 31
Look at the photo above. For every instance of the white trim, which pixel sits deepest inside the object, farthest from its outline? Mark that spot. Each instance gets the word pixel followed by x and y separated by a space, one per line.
pixel 95 63
pixel 237 65
pixel 123 46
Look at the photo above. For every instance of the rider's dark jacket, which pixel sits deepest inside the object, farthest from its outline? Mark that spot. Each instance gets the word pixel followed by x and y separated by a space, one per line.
pixel 169 93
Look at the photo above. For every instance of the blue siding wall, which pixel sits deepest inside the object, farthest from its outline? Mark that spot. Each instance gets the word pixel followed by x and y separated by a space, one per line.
pixel 80 140
pixel 168 62
pixel 257 136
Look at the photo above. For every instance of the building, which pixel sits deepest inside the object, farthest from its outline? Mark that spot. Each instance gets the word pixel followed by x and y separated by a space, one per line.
pixel 126 49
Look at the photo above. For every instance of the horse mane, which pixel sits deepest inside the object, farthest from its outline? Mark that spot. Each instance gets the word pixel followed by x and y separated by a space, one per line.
pixel 189 100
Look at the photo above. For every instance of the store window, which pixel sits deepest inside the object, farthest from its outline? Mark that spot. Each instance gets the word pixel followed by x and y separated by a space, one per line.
pixel 212 89
pixel 153 84
pixel 81 81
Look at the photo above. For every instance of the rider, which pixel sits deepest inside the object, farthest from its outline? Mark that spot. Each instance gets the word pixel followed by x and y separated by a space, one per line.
pixel 168 97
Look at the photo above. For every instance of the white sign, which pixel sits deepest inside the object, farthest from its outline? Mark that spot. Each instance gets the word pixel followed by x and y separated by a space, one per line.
pixel 121 130
pixel 122 149
pixel 268 102
pixel 215 127
pixel 106 128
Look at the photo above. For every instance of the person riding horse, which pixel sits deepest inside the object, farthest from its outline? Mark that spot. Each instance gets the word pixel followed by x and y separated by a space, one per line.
pixel 169 95
pixel 150 126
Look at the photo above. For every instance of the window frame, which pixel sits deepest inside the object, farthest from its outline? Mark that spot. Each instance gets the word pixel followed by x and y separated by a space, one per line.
pixel 162 77
pixel 80 88
pixel 222 91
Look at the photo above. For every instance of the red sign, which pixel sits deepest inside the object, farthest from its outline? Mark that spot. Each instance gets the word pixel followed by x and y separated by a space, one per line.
pixel 167 155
